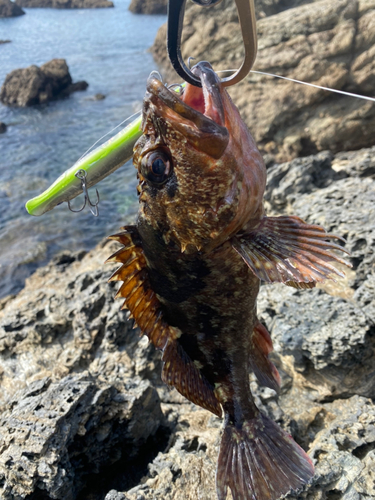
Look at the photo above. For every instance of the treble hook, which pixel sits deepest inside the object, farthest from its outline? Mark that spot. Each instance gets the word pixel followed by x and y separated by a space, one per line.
pixel 82 174
pixel 246 15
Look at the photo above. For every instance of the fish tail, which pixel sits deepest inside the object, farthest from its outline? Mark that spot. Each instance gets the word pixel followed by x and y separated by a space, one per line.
pixel 260 461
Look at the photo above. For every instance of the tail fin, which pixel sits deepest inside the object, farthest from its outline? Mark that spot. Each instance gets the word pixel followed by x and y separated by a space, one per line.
pixel 260 462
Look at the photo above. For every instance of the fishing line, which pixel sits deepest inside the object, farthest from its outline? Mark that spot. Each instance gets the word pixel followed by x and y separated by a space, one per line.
pixel 350 94
pixel 110 132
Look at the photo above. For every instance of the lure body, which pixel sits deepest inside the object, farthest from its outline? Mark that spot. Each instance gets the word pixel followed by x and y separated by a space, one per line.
pixel 191 270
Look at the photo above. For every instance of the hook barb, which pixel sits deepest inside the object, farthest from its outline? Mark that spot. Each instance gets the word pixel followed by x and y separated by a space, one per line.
pixel 93 207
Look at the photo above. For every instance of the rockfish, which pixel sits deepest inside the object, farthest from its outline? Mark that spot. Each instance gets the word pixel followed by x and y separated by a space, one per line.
pixel 192 266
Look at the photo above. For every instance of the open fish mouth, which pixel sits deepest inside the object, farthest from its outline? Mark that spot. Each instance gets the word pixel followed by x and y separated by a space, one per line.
pixel 200 111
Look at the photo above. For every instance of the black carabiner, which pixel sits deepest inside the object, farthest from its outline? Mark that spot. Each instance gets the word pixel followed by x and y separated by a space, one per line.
pixel 246 14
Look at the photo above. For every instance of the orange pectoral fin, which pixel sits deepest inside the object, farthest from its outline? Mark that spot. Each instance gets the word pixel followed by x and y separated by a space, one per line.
pixel 287 250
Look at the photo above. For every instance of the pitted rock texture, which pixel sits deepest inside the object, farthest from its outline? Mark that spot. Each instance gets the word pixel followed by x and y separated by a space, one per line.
pixel 325 43
pixel 85 416
pixel 34 85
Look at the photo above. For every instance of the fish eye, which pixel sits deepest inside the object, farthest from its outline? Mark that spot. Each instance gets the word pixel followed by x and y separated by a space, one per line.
pixel 156 166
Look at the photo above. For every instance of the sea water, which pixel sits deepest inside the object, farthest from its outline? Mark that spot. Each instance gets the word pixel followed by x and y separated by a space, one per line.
pixel 109 49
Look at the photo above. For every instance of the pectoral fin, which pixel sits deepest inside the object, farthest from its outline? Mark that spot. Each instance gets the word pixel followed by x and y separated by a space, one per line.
pixel 287 250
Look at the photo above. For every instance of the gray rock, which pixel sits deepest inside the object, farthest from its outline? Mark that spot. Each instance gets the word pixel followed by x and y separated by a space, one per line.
pixel 53 433
pixel 33 85
pixel 3 127
pixel 148 6
pixel 9 9
pixel 65 4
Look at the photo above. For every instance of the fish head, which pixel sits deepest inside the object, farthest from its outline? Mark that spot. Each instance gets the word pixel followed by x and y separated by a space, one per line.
pixel 202 178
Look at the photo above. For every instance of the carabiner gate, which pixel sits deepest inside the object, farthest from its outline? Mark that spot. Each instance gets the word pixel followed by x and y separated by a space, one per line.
pixel 246 15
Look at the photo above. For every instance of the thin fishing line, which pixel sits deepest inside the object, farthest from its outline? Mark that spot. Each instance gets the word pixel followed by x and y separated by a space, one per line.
pixel 350 94
pixel 110 132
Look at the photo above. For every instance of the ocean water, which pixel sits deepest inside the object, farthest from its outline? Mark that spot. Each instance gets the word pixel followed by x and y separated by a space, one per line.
pixel 109 49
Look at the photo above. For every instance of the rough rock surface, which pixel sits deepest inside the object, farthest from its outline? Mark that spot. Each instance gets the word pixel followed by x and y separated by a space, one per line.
pixel 80 418
pixel 9 9
pixel 325 43
pixel 66 4
pixel 34 85
pixel 148 6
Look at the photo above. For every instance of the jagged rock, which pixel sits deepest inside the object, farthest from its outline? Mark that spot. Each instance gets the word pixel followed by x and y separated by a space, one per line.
pixel 34 85
pixel 3 127
pixel 148 6
pixel 54 434
pixel 325 43
pixel 66 4
pixel 9 9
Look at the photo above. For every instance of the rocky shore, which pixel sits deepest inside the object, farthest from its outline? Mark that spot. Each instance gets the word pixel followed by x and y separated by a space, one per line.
pixel 84 414
pixel 34 85
pixel 65 4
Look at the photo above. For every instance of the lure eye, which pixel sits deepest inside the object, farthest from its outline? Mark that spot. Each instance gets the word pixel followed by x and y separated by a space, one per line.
pixel 156 167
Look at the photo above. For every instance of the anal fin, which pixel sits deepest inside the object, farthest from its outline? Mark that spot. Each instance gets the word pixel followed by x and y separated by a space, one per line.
pixel 265 371
pixel 180 371
pixel 287 250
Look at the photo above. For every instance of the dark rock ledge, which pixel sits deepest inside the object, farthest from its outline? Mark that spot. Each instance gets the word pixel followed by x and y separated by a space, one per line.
pixel 34 85
pixel 9 9
pixel 65 4
pixel 84 415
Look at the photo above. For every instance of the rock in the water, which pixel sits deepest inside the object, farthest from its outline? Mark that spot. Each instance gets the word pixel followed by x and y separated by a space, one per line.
pixel 33 85
pixel 9 9
pixel 325 43
pixel 3 127
pixel 66 4
pixel 148 6
pixel 4 41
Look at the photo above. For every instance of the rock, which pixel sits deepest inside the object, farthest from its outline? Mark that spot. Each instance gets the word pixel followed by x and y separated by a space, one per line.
pixel 148 6
pixel 49 430
pixel 9 9
pixel 4 41
pixel 325 43
pixel 65 4
pixel 33 85
pixel 99 97
pixel 3 127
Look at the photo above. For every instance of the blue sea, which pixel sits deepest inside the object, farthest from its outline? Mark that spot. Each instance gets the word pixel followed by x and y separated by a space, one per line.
pixel 109 49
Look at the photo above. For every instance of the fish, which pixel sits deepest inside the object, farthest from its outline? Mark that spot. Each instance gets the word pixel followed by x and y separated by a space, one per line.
pixel 191 269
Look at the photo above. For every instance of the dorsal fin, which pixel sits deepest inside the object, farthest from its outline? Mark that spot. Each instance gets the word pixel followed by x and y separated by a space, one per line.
pixel 287 250
pixel 146 309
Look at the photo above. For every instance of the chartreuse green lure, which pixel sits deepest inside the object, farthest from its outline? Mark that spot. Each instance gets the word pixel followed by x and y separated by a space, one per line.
pixel 93 167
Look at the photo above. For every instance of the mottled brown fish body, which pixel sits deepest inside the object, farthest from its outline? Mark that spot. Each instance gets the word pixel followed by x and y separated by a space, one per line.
pixel 191 270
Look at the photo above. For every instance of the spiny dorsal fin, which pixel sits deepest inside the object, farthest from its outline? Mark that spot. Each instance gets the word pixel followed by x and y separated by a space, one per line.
pixel 265 371
pixel 287 250
pixel 140 299
pixel 180 371
pixel 144 306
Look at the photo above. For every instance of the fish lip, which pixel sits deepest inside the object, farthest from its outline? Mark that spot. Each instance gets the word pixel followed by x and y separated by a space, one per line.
pixel 211 92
